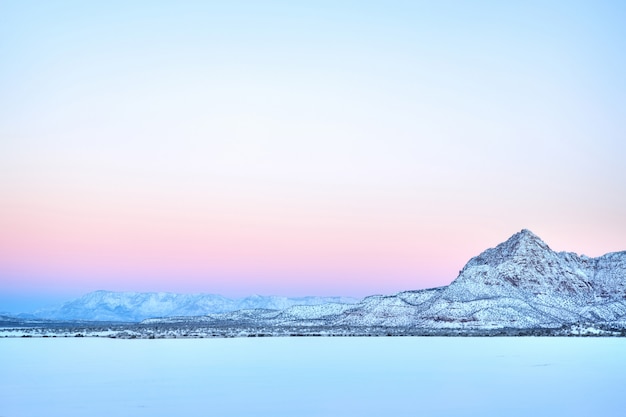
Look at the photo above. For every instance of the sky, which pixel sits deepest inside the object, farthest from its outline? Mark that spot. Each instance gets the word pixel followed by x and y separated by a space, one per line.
pixel 301 148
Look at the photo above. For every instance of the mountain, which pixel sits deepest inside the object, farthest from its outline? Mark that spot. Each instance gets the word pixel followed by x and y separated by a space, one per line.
pixel 519 284
pixel 137 306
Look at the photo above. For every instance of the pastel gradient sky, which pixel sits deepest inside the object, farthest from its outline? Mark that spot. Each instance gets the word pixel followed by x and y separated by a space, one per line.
pixel 301 148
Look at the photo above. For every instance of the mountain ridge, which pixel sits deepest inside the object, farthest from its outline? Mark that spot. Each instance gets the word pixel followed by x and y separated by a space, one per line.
pixel 520 283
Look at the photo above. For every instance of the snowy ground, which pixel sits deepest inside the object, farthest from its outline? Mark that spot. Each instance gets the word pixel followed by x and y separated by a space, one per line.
pixel 306 376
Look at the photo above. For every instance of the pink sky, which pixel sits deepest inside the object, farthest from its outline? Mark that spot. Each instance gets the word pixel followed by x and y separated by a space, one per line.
pixel 236 247
pixel 291 150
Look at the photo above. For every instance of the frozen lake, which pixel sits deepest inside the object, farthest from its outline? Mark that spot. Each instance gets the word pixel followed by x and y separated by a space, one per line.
pixel 401 376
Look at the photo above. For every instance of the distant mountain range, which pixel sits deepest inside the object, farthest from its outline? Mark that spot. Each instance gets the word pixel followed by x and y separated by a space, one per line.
pixel 137 306
pixel 519 284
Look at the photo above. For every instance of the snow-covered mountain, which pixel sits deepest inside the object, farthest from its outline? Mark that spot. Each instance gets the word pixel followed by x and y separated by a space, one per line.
pixel 520 283
pixel 137 306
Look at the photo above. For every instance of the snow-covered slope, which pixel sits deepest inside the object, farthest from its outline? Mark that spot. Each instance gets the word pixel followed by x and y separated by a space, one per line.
pixel 520 283
pixel 134 306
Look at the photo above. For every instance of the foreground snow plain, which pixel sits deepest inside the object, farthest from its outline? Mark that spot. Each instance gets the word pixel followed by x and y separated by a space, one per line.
pixel 312 376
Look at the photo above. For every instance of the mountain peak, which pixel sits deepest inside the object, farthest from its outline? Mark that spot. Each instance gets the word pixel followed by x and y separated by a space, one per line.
pixel 523 241
pixel 526 232
pixel 525 235
pixel 523 246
